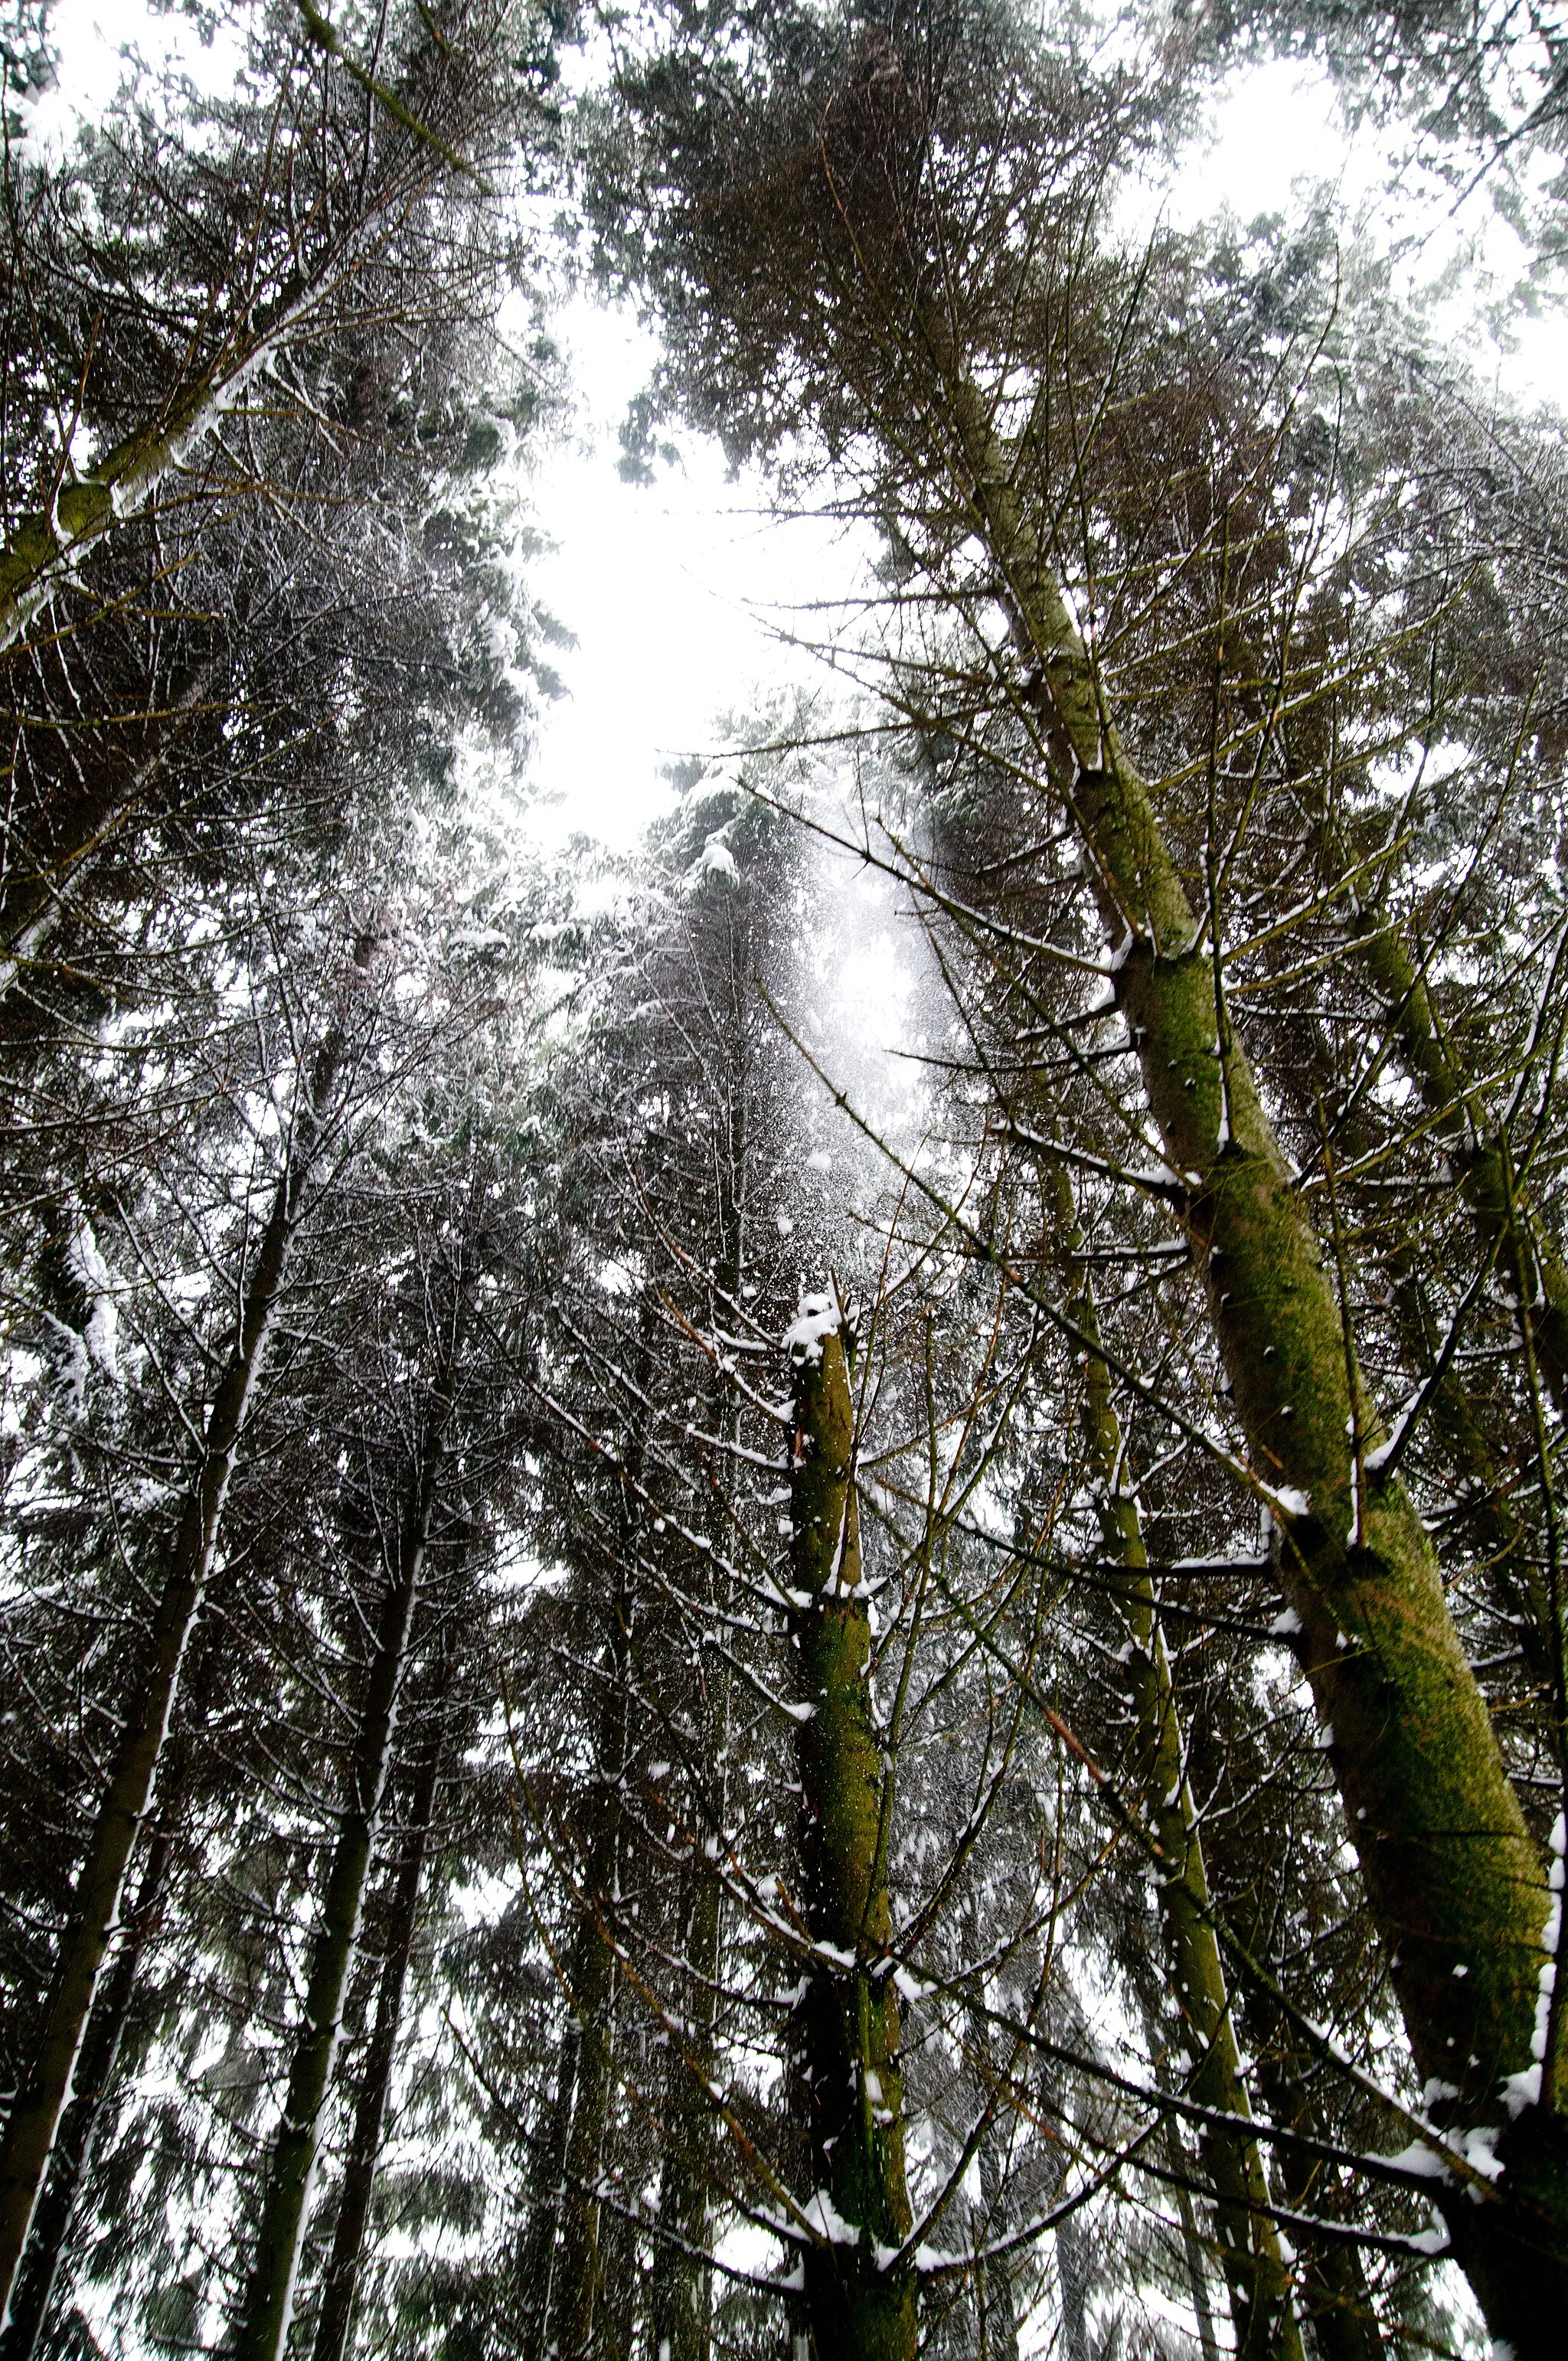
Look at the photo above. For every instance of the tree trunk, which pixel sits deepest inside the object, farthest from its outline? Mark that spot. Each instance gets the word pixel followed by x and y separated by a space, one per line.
pixel 535 2265
pixel 33 2122
pixel 32 904
pixel 1527 1259
pixel 334 2319
pixel 290 2171
pixel 1075 2269
pixel 1453 1879
pixel 845 2028
pixel 1483 1511
pixel 576 2274
pixel 1330 2273
pixel 1193 2253
pixel 1256 2275
pixel 995 2312
pixel 46 548
pixel 683 2279
pixel 90 2085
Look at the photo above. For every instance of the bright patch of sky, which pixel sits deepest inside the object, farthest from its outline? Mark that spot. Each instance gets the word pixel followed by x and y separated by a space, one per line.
pixel 101 52
pixel 689 596
pixel 1276 137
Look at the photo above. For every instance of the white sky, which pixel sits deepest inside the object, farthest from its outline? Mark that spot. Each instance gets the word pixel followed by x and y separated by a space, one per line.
pixel 683 595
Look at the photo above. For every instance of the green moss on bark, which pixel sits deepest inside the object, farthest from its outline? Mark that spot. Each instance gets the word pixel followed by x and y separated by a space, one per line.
pixel 1256 2279
pixel 845 2033
pixel 1456 1887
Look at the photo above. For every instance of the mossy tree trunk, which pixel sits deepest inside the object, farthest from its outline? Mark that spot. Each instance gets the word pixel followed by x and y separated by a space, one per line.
pixel 268 2300
pixel 45 549
pixel 845 2032
pixel 1482 1517
pixel 1453 1882
pixel 1256 2275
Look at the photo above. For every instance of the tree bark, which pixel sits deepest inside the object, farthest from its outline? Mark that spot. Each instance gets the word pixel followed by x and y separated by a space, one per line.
pixel 995 2312
pixel 1193 2253
pixel 575 2275
pixel 1335 2292
pixel 1452 1877
pixel 1256 2277
pixel 845 2028
pixel 33 2122
pixel 90 2085
pixel 682 2275
pixel 1485 1520
pixel 1075 2270
pixel 683 2279
pixel 33 903
pixel 1527 1258
pixel 291 2172
pixel 46 548
pixel 341 2285
pixel 535 2265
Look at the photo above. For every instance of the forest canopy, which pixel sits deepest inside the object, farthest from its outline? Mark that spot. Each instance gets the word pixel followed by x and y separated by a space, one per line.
pixel 796 1588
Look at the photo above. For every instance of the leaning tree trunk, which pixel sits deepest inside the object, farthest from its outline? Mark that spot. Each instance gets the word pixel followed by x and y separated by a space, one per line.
pixel 290 2171
pixel 1255 2273
pixel 92 2083
pixel 33 2122
pixel 1192 2252
pixel 1455 1886
pixel 46 549
pixel 97 2067
pixel 1482 1516
pixel 1507 1224
pixel 1334 2291
pixel 845 2033
pixel 40 877
pixel 341 2284
pixel 1145 1979
pixel 1485 1518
